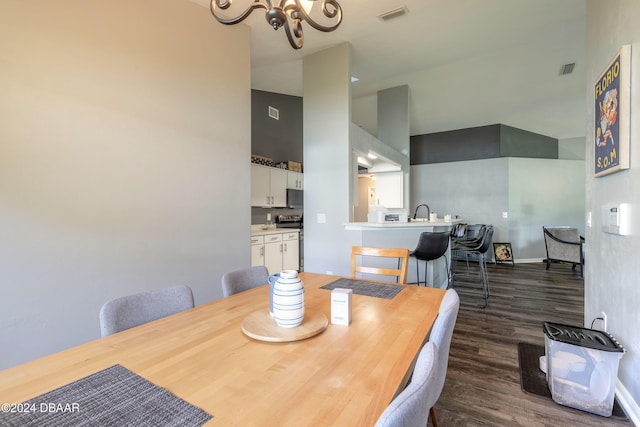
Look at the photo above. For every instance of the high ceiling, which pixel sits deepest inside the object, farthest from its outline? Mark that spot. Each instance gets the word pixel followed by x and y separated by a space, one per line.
pixel 467 62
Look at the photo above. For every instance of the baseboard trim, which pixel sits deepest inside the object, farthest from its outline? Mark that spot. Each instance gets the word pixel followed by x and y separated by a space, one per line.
pixel 527 260
pixel 629 405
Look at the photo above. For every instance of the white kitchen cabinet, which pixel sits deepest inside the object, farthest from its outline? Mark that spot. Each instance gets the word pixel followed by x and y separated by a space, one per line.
pixel 257 250
pixel 389 190
pixel 276 250
pixel 290 251
pixel 268 186
pixel 273 253
pixel 295 180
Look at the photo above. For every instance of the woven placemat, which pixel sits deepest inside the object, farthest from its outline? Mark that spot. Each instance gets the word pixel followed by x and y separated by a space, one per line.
pixel 112 397
pixel 361 287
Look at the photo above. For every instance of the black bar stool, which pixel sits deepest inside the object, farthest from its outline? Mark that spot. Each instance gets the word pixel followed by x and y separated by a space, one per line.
pixel 431 246
pixel 478 248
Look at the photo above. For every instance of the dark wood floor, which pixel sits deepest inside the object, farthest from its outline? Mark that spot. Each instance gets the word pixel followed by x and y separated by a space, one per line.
pixel 483 381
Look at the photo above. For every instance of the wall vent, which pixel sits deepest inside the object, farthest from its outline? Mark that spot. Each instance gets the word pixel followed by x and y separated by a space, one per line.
pixel 395 13
pixel 567 69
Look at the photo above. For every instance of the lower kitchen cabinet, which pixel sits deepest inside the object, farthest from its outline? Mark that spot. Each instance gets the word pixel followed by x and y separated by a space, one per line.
pixel 273 253
pixel 290 251
pixel 276 251
pixel 257 250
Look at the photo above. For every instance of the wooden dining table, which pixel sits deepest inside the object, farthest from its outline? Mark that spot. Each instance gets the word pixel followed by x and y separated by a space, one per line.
pixel 343 376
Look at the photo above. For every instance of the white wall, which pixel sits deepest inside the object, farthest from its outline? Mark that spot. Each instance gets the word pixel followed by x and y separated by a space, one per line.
pixel 364 113
pixel 543 192
pixel 327 160
pixel 571 148
pixel 612 267
pixel 124 145
pixel 533 192
pixel 476 190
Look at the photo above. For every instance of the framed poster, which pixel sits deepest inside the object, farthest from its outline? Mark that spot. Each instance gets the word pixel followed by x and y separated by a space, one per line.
pixel 612 115
pixel 503 252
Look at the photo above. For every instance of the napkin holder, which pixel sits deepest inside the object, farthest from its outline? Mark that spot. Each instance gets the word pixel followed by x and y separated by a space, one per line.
pixel 341 306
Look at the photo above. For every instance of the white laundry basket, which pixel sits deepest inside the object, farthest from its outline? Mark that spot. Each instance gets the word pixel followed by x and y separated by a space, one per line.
pixel 582 367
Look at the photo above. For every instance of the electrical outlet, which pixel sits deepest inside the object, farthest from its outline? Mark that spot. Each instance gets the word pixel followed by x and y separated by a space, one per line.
pixel 604 321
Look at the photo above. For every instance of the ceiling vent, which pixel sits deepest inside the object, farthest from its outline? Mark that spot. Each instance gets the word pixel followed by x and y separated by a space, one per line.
pixel 395 13
pixel 567 69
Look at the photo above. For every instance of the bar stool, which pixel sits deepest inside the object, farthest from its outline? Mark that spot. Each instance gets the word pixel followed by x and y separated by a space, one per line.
pixel 431 246
pixel 479 250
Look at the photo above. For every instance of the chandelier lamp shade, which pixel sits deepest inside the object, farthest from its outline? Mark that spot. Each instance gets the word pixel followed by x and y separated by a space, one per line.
pixel 289 14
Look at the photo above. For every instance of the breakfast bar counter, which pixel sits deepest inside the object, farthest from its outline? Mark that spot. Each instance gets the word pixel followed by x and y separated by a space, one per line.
pixel 406 235
pixel 436 226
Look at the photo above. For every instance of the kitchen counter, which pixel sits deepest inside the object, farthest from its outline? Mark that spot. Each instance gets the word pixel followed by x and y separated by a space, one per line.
pixel 439 225
pixel 256 230
pixel 405 235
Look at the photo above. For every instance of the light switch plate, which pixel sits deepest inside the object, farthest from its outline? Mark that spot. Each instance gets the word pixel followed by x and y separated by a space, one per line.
pixel 322 218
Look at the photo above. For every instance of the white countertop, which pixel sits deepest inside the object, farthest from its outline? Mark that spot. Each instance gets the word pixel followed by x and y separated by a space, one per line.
pixel 401 225
pixel 257 230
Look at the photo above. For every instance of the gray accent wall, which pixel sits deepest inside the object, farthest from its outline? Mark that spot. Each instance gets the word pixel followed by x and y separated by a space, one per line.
pixel 516 142
pixel 281 139
pixel 612 272
pixel 124 161
pixel 483 142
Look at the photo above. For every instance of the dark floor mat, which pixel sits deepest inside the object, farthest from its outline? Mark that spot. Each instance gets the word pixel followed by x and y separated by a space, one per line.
pixel 534 381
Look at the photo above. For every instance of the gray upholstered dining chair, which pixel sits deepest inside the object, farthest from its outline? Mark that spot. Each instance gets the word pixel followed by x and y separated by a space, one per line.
pixel 133 310
pixel 441 334
pixel 243 279
pixel 410 407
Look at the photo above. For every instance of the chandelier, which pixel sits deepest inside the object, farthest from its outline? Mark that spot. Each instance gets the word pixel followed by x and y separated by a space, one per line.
pixel 285 13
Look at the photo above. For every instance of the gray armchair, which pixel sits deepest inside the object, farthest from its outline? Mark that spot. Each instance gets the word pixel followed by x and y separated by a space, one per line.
pixel 564 244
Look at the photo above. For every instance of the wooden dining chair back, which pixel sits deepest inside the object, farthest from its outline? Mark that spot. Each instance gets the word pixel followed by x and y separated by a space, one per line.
pixel 400 254
pixel 133 310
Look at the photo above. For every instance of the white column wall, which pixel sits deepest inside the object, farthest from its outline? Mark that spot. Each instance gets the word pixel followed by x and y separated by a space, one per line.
pixel 327 160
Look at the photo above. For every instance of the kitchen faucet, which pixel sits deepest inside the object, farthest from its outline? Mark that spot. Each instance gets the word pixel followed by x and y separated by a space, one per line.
pixel 418 207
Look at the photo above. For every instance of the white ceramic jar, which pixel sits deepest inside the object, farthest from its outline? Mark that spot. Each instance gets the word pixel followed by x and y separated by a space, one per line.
pixel 288 299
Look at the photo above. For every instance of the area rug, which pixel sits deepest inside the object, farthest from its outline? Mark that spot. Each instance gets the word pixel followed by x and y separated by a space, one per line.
pixel 534 381
pixel 112 397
